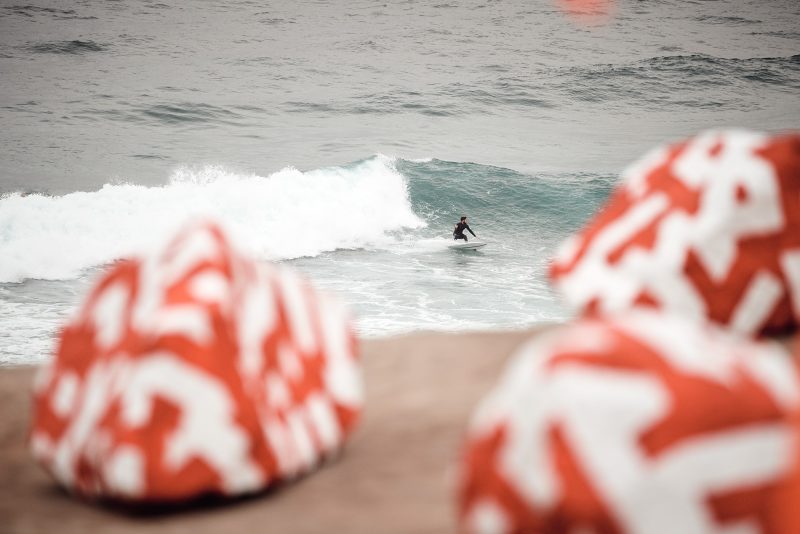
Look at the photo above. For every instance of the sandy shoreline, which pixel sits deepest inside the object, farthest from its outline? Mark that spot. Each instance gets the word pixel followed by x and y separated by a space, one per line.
pixel 394 476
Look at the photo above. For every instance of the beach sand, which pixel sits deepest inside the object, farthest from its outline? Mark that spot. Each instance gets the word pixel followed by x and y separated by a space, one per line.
pixel 396 474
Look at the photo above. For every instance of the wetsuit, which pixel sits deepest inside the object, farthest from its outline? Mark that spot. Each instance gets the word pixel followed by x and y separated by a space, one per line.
pixel 458 233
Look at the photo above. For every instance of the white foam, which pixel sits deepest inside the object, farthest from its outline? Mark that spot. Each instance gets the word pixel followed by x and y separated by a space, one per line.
pixel 288 214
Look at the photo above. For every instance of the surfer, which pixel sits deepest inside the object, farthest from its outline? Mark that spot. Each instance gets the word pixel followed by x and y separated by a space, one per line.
pixel 458 231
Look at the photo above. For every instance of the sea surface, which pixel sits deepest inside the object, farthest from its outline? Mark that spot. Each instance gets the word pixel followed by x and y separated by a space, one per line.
pixel 346 138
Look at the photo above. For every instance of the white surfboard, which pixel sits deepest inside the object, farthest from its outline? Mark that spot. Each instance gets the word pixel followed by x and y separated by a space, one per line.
pixel 467 245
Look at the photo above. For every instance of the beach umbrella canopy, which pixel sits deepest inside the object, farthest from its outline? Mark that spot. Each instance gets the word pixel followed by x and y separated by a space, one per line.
pixel 644 423
pixel 708 228
pixel 196 370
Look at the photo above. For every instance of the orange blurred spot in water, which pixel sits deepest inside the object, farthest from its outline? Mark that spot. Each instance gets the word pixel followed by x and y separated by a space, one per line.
pixel 588 12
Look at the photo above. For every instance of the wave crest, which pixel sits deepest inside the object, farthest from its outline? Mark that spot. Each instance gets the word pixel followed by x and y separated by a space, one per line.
pixel 288 214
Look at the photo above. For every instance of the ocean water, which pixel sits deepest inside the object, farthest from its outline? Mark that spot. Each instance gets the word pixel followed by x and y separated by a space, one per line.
pixel 345 139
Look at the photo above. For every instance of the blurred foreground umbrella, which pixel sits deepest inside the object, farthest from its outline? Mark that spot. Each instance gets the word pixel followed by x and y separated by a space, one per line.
pixel 708 228
pixel 193 371
pixel 641 424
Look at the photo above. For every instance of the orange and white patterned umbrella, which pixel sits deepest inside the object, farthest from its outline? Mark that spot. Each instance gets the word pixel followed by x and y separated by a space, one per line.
pixel 708 228
pixel 644 423
pixel 193 371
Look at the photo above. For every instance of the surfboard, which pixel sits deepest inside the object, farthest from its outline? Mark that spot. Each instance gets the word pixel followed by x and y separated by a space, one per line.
pixel 467 246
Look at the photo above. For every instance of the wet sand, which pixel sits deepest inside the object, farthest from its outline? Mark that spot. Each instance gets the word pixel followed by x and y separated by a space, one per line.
pixel 395 475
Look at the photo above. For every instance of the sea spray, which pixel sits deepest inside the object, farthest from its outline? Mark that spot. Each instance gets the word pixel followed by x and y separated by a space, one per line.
pixel 288 214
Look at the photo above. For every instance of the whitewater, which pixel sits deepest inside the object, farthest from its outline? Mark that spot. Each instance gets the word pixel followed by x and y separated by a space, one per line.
pixel 286 215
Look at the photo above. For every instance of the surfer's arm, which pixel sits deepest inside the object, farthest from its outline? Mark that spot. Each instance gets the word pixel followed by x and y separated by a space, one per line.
pixel 470 231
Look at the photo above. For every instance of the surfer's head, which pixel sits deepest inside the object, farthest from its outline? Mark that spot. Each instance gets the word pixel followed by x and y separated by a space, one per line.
pixel 463 219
